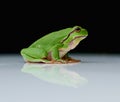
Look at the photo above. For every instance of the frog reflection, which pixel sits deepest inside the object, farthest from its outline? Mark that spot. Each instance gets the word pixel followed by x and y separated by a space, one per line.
pixel 57 74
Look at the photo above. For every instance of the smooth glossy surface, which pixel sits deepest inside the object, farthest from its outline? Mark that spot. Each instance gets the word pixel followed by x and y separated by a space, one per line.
pixel 95 79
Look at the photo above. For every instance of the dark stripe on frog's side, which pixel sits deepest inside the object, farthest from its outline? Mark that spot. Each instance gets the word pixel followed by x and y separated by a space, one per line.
pixel 75 30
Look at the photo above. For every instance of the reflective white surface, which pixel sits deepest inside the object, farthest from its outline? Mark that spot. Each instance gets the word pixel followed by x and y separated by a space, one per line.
pixel 95 79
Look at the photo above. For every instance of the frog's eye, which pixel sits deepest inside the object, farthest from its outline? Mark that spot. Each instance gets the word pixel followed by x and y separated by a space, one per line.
pixel 77 29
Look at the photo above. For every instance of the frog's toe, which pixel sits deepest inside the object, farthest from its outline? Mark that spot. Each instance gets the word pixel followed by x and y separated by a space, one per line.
pixel 71 60
pixel 60 61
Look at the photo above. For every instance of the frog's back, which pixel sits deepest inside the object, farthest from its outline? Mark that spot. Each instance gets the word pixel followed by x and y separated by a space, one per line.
pixel 51 39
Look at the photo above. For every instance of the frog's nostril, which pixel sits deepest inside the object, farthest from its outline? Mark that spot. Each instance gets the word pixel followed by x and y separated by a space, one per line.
pixel 86 32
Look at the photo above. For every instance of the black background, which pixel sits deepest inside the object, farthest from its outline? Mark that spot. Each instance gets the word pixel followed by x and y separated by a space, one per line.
pixel 23 23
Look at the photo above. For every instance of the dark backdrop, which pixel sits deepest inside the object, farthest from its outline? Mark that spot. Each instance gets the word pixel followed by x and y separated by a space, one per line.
pixel 23 24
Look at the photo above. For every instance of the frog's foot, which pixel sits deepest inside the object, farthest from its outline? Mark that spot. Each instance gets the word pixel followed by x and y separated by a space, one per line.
pixel 60 61
pixel 71 60
pixel 63 61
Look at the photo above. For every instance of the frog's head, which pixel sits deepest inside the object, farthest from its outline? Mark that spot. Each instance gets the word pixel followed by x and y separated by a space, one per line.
pixel 76 32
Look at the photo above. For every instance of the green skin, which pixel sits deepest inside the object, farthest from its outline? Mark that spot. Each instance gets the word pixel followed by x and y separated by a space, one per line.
pixel 53 47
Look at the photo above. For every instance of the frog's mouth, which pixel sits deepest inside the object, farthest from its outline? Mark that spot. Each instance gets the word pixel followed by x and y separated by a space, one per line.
pixel 83 37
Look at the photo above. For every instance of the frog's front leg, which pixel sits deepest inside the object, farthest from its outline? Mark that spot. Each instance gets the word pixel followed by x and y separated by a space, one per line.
pixel 54 54
pixel 34 55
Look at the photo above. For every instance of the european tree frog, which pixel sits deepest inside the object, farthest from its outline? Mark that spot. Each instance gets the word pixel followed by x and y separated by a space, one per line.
pixel 54 47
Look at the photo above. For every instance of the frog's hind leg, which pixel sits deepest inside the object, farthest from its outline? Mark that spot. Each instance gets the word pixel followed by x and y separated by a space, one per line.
pixel 30 59
pixel 34 55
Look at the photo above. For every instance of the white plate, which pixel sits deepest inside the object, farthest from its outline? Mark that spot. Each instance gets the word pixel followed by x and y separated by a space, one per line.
pixel 95 79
